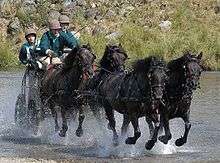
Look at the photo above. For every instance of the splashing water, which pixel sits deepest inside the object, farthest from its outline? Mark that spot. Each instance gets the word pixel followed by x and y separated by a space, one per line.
pixel 97 139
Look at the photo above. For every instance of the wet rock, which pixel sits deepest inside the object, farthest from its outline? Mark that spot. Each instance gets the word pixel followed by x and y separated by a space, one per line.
pixel 165 25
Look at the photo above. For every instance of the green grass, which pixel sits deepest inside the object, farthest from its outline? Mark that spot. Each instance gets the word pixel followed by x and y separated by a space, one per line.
pixel 194 27
pixel 8 57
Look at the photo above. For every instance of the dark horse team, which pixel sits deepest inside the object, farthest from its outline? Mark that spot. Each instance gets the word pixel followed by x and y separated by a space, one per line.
pixel 153 89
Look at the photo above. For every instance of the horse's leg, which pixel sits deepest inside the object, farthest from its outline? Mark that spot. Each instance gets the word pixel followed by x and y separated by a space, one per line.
pixel 183 140
pixel 165 138
pixel 149 145
pixel 62 132
pixel 110 116
pixel 79 131
pixel 137 133
pixel 54 114
pixel 150 125
pixel 125 125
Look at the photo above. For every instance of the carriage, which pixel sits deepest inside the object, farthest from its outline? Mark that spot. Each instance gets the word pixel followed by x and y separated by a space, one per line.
pixel 28 111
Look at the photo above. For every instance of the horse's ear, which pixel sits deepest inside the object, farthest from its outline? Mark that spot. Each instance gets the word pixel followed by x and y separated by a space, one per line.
pixel 199 57
pixel 75 49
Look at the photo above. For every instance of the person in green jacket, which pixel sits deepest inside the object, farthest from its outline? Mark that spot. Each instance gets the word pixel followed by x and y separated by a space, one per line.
pixel 65 23
pixel 27 54
pixel 53 42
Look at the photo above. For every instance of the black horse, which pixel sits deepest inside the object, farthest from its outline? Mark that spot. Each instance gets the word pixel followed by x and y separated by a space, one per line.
pixel 60 86
pixel 184 74
pixel 112 62
pixel 135 94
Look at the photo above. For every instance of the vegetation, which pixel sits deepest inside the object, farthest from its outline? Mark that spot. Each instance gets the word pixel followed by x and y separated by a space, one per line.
pixel 8 58
pixel 195 27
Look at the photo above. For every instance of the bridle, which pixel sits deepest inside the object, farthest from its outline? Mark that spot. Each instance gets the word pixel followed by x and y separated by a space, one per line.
pixel 189 77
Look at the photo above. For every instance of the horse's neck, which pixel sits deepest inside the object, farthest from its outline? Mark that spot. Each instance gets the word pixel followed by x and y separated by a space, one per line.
pixel 134 85
pixel 175 87
pixel 74 75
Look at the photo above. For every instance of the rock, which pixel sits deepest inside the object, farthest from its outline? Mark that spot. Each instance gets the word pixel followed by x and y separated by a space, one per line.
pixel 113 35
pixel 29 6
pixel 110 13
pixel 98 30
pixel 4 26
pixel 90 13
pixel 165 25
pixel 81 3
pixel 217 7
pixel 53 15
pixel 14 27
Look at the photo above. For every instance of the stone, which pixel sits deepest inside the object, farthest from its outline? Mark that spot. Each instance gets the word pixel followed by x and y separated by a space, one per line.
pixel 165 25
pixel 14 26
pixel 113 35
pixel 53 15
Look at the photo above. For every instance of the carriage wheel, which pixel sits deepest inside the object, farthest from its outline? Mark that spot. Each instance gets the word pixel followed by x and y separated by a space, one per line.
pixel 21 112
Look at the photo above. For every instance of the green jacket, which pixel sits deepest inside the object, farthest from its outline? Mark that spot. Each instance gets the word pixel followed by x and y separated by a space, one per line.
pixel 71 36
pixel 48 41
pixel 28 52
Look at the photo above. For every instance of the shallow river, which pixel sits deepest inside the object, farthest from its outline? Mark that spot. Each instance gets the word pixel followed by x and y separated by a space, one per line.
pixel 95 145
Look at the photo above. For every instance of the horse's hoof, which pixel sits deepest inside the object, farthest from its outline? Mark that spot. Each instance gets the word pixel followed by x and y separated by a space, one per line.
pixel 115 141
pixel 164 139
pixel 150 144
pixel 179 142
pixel 62 133
pixel 130 140
pixel 79 132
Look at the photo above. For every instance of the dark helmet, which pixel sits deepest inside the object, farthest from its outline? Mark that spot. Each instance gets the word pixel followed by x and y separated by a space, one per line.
pixel 64 19
pixel 54 24
pixel 30 31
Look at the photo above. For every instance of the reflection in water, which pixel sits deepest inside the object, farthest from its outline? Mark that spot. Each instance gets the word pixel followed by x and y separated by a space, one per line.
pixel 203 141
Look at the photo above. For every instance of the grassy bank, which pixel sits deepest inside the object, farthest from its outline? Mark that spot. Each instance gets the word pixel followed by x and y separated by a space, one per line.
pixel 8 55
pixel 192 29
pixel 195 27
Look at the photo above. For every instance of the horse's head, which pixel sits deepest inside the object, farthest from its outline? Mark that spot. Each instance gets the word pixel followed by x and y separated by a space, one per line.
pixel 154 71
pixel 114 58
pixel 192 69
pixel 157 77
pixel 83 58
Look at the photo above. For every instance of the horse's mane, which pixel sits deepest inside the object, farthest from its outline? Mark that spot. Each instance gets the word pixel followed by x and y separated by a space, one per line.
pixel 104 62
pixel 143 65
pixel 175 65
pixel 73 53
